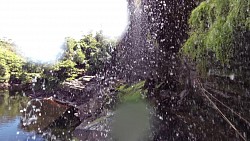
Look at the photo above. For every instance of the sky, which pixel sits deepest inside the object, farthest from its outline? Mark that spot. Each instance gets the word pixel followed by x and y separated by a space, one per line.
pixel 39 27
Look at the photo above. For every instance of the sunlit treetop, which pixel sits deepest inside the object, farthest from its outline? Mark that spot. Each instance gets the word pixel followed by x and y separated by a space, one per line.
pixel 10 62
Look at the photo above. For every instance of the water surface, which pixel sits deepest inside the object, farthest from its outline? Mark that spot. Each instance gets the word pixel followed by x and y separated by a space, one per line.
pixel 24 119
pixel 10 117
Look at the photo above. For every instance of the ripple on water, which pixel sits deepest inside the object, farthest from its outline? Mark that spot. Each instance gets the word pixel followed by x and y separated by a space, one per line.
pixel 10 131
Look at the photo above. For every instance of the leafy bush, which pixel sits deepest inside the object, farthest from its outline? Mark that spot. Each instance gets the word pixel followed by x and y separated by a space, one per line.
pixel 216 27
pixel 4 72
pixel 90 52
pixel 10 62
pixel 64 70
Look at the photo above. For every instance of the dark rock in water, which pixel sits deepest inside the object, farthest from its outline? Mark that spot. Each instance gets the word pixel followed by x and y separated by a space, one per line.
pixel 99 129
pixel 42 113
pixel 90 135
pixel 89 97
pixel 78 83
pixel 56 121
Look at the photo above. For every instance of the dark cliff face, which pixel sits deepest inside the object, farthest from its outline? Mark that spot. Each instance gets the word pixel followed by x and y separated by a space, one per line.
pixel 154 36
pixel 168 25
pixel 156 32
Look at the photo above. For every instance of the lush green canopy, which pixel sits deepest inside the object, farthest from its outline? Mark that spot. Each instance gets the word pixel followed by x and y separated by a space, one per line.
pixel 216 27
pixel 10 62
pixel 87 55
pixel 90 52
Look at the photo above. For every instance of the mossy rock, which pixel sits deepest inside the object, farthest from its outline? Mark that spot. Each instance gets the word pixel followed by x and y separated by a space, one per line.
pixel 133 93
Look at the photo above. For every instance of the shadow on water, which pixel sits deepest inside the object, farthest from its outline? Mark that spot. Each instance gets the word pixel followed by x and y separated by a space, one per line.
pixel 22 118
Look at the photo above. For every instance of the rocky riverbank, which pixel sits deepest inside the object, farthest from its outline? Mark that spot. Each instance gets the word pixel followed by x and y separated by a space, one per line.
pixel 92 99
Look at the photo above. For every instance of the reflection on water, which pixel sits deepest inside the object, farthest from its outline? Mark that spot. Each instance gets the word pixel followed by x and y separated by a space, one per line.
pixel 38 114
pixel 25 119
pixel 10 106
pixel 10 131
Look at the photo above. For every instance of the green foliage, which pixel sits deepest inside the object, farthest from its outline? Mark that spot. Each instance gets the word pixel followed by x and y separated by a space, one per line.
pixel 3 68
pixel 32 67
pixel 4 72
pixel 215 27
pixel 102 53
pixel 79 57
pixel 90 52
pixel 10 62
pixel 27 77
pixel 132 93
pixel 64 70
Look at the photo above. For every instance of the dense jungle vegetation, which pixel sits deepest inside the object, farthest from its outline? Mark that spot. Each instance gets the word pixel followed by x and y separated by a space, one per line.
pixel 183 57
pixel 219 36
pixel 218 39
pixel 84 57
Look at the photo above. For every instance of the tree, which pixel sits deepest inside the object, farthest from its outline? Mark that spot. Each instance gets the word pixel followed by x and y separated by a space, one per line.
pixel 4 71
pixel 90 52
pixel 219 31
pixel 11 63
pixel 64 70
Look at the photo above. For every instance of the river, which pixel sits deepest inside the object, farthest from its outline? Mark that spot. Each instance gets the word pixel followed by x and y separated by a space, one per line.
pixel 27 119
